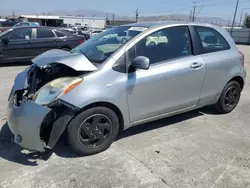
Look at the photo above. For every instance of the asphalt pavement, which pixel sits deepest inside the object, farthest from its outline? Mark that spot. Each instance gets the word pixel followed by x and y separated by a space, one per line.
pixel 195 149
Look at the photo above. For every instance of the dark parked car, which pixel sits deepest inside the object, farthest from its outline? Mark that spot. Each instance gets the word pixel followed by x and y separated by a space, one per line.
pixel 75 32
pixel 24 43
pixel 86 35
pixel 11 22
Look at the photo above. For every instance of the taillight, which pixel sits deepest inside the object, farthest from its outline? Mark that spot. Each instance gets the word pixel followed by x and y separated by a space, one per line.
pixel 81 41
pixel 243 58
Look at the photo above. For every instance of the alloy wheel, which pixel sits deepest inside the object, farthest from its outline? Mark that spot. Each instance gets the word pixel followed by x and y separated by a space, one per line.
pixel 95 130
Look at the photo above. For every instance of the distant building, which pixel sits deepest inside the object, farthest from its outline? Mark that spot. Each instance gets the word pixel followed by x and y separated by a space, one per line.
pixel 79 21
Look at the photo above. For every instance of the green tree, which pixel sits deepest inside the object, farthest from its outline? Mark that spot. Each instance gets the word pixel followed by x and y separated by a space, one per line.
pixel 247 22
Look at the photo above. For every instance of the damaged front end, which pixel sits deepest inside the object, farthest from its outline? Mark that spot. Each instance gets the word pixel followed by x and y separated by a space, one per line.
pixel 37 125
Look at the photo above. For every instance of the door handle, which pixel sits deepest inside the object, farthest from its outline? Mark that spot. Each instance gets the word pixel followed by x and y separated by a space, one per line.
pixel 195 65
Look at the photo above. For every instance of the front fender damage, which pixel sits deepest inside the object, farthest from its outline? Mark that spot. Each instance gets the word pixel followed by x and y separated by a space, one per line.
pixel 56 122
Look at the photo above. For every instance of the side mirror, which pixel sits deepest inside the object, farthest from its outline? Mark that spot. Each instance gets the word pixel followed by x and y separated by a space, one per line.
pixel 5 40
pixel 141 62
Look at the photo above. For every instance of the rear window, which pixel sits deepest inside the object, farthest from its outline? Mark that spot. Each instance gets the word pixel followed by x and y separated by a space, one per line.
pixel 44 33
pixel 212 40
pixel 60 34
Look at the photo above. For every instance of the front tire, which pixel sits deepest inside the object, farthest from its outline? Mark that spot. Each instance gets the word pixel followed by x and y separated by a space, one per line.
pixel 229 98
pixel 93 131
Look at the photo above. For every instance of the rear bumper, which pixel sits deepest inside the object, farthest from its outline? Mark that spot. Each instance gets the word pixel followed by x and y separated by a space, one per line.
pixel 25 123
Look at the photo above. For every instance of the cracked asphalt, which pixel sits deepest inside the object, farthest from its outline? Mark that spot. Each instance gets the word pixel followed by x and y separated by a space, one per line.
pixel 195 149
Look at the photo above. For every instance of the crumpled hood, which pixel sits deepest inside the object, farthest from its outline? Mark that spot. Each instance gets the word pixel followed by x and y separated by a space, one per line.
pixel 76 61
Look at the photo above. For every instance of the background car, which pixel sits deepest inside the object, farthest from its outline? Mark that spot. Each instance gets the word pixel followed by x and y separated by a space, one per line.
pixel 93 33
pixel 11 22
pixel 2 29
pixel 27 24
pixel 79 32
pixel 23 43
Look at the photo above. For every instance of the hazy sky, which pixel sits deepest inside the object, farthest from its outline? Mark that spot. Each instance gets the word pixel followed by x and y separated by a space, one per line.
pixel 221 8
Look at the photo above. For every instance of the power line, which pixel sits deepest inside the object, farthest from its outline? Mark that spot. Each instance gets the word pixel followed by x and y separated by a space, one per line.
pixel 225 3
pixel 202 1
pixel 199 11
pixel 164 10
pixel 241 15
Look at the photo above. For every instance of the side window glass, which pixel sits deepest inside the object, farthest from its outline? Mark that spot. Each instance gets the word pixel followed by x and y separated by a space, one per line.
pixel 60 34
pixel 156 38
pixel 44 33
pixel 212 41
pixel 22 33
pixel 165 44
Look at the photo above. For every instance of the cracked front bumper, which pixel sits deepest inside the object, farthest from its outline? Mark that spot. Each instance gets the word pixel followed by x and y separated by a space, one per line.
pixel 36 127
pixel 25 123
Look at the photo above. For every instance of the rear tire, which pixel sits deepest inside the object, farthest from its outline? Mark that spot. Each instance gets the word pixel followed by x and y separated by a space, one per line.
pixel 229 98
pixel 93 131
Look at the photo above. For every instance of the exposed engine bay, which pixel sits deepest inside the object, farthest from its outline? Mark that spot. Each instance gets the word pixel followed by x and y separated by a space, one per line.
pixel 39 76
pixel 61 112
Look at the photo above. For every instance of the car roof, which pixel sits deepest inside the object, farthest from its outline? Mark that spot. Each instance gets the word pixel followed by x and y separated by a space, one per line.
pixel 165 23
pixel 29 26
pixel 35 26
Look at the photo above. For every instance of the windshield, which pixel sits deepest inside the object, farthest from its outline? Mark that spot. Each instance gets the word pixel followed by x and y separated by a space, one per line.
pixel 99 47
pixel 5 32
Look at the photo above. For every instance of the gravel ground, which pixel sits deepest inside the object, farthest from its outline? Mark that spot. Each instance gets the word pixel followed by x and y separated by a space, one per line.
pixel 196 149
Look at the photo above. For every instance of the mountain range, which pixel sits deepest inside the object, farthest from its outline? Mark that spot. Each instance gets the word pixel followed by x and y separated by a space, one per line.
pixel 96 13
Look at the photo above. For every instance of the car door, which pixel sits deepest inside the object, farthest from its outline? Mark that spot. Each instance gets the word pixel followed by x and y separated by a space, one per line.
pixel 172 83
pixel 19 45
pixel 45 39
pixel 220 60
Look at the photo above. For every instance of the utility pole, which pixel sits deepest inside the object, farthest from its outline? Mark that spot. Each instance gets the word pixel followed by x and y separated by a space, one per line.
pixel 190 18
pixel 113 18
pixel 136 15
pixel 236 8
pixel 194 11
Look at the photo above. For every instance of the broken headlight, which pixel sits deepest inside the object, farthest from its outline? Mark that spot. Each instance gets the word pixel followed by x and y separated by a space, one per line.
pixel 55 89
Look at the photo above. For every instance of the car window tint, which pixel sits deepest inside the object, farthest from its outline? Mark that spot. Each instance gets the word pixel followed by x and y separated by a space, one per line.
pixel 212 41
pixel 60 34
pixel 21 33
pixel 23 24
pixel 165 44
pixel 44 33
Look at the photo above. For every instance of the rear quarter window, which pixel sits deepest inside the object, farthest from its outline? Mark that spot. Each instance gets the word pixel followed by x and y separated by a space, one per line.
pixel 44 33
pixel 211 40
pixel 60 34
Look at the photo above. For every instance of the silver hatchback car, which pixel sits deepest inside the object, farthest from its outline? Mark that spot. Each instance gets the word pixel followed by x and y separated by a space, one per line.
pixel 106 85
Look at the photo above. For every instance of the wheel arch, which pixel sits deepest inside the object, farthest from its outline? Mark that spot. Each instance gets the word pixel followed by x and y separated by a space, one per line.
pixel 65 47
pixel 238 79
